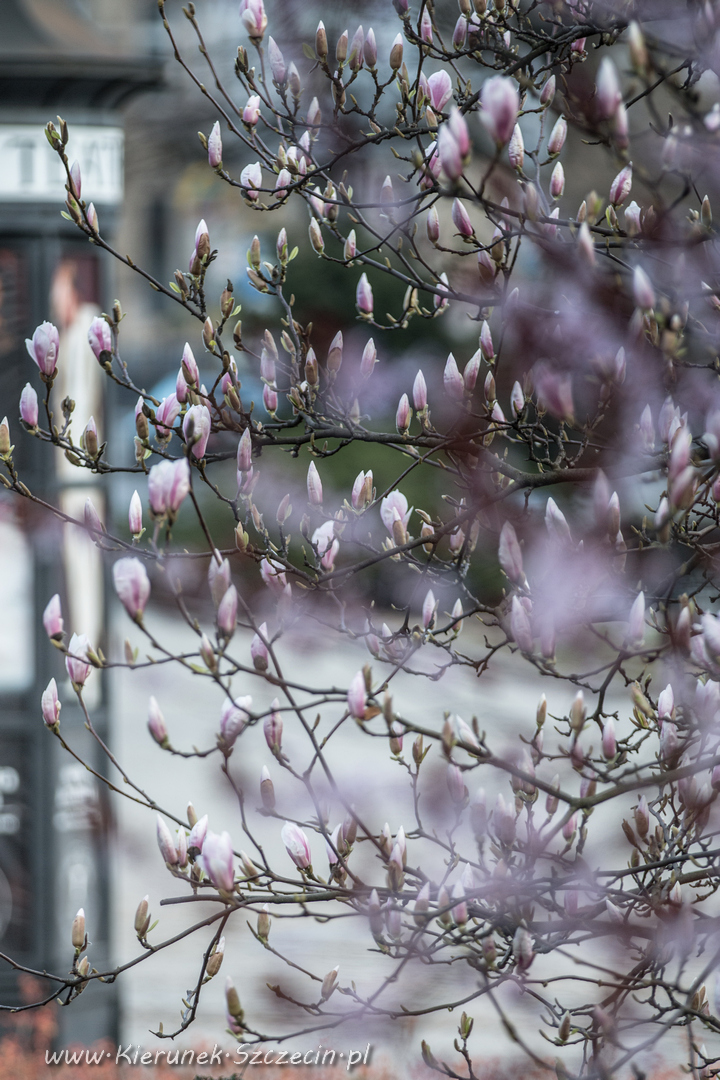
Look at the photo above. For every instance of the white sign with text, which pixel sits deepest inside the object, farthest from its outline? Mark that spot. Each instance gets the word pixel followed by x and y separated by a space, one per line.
pixel 31 171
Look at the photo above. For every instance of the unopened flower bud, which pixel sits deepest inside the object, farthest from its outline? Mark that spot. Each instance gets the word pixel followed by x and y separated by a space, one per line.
pixel 396 53
pixel 78 930
pixel 263 923
pixel 321 44
pixel 142 918
pixel 329 984
pixel 215 959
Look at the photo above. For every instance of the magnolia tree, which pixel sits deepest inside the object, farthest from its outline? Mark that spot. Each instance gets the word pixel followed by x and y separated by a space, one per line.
pixel 578 448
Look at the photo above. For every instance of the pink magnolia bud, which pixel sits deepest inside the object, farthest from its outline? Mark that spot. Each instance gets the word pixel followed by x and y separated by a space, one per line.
pixel 314 115
pixel 76 662
pixel 273 726
pixel 510 553
pixel 439 90
pixel 92 217
pixel 429 609
pixel 99 337
pixel 355 54
pixel 251 112
pixel 642 290
pixel 76 179
pixel 472 369
pixel 520 626
pixel 666 704
pixel 296 845
pixel 362 490
pixel 636 621
pixel 449 153
pixel 364 296
pixel 166 843
pixel 461 219
pixel 523 949
pixel 258 649
pixel 460 908
pixel 500 106
pixel 570 828
pixel 350 246
pixel 356 696
pixel 218 577
pixel 341 48
pixel 244 451
pixel 29 406
pixel 188 366
pixel 335 353
pixel 251 180
pixel 368 359
pixel 557 181
pixel 196 429
pixel 394 504
pixel 577 712
pixel 452 379
pixel 419 392
pixel 168 484
pixel 50 705
pixel 633 225
pixel 132 586
pixel 460 33
pixel 504 822
pixel 426 30
pixel 517 400
pixel 52 619
pixel 433 225
pixel 277 62
pixel 267 789
pixel 316 237
pixel 396 53
pixel 227 613
pixel 156 723
pixel 93 524
pixel 683 488
pixel 586 247
pixel 622 134
pixel 403 415
pixel 547 93
pixel 43 348
pixel 456 785
pixel 135 515
pixel 516 148
pixel 284 510
pixel 370 49
pixel 486 341
pixel 669 741
pixel 254 19
pixel 621 186
pixel 218 861
pixel 207 653
pixel 558 136
pixel 555 522
pixel 181 847
pixel 314 486
pixel 166 414
pixel 214 145
pixel 234 716
pixel 642 817
pixel 609 743
pixel 609 94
